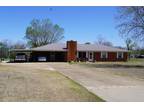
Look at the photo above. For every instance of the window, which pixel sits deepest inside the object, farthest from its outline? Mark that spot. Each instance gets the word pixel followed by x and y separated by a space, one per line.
pixel 90 55
pixel 119 55
pixel 103 55
pixel 41 58
pixel 20 57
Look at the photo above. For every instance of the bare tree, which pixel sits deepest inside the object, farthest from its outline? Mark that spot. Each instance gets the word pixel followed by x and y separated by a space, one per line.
pixel 18 45
pixel 131 22
pixel 102 41
pixel 42 32
pixel 130 44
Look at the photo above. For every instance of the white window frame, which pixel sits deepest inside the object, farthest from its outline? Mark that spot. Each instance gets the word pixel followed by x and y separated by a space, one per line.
pixel 106 55
pixel 122 55
pixel 92 56
pixel 42 58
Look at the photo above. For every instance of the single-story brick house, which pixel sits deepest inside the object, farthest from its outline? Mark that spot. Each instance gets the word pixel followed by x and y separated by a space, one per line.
pixel 71 51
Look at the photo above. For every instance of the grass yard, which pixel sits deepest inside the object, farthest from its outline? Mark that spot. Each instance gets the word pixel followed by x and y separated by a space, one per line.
pixel 136 60
pixel 137 63
pixel 30 82
pixel 133 68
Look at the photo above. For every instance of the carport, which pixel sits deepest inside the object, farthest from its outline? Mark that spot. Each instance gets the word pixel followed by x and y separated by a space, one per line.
pixel 46 56
pixel 20 55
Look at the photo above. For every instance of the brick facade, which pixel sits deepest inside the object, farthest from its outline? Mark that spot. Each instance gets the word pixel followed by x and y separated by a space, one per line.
pixel 112 56
pixel 71 50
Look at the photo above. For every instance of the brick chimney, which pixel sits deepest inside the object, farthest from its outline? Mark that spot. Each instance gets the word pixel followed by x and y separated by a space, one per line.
pixel 71 50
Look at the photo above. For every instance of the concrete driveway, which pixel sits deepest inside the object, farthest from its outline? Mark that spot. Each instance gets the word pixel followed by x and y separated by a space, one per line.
pixel 110 87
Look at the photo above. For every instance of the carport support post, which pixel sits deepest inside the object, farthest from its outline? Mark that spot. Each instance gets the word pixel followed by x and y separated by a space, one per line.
pixel 28 56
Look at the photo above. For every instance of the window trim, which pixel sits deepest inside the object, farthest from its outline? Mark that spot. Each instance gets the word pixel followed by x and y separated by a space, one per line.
pixel 122 55
pixel 42 58
pixel 106 55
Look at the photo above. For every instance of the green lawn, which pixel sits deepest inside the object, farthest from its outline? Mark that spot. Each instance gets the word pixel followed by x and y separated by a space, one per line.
pixel 136 60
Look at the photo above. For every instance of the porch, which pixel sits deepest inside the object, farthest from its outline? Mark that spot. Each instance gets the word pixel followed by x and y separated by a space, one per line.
pixel 85 56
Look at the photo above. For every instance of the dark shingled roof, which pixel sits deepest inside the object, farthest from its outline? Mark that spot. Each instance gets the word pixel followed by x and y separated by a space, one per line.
pixel 80 47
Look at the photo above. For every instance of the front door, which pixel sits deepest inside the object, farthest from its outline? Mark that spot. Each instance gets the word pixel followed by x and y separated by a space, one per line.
pixel 90 56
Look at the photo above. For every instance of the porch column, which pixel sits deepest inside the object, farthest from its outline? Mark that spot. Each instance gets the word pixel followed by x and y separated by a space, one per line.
pixel 87 55
pixel 77 54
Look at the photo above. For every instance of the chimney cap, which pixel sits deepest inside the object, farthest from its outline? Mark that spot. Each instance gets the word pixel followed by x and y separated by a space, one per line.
pixel 71 41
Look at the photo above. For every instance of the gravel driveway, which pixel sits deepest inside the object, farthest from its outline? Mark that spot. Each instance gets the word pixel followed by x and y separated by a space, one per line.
pixel 104 82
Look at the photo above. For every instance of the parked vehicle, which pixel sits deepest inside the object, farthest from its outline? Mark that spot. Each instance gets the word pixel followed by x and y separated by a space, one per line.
pixel 140 56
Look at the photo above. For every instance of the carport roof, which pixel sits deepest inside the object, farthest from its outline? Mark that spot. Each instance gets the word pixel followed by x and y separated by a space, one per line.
pixel 80 47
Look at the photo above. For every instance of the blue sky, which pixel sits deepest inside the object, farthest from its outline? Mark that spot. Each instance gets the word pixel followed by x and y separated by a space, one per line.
pixel 83 24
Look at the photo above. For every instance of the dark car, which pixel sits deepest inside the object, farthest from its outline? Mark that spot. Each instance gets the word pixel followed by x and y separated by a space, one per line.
pixel 140 56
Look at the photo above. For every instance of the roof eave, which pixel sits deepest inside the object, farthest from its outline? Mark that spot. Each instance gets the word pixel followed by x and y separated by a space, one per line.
pixel 104 50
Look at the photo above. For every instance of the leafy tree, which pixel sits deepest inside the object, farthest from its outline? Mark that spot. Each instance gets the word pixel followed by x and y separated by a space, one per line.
pixel 131 22
pixel 87 43
pixel 42 32
pixel 142 51
pixel 6 45
pixel 4 49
